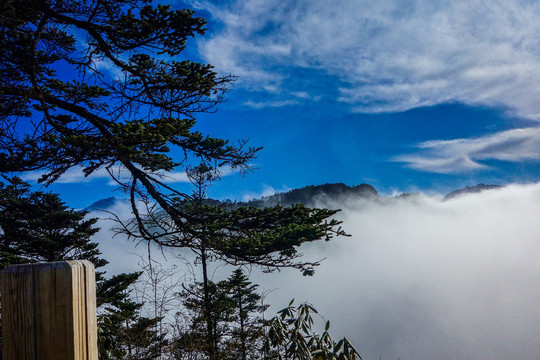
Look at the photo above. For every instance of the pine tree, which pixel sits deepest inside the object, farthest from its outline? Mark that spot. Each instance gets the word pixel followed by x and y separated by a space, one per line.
pixel 266 237
pixel 102 85
pixel 91 119
pixel 39 227
pixel 234 314
pixel 123 332
pixel 206 320
pixel 247 318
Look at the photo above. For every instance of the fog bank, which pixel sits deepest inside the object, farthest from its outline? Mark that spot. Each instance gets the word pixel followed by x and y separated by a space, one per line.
pixel 422 278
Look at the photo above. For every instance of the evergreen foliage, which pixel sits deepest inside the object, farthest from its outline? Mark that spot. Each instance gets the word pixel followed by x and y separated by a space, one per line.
pixel 265 237
pixel 234 313
pixel 127 101
pixel 103 84
pixel 247 325
pixel 208 311
pixel 99 84
pixel 123 332
pixel 239 331
pixel 39 227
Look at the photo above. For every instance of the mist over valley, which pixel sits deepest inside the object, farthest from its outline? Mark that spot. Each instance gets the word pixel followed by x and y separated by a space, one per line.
pixel 420 277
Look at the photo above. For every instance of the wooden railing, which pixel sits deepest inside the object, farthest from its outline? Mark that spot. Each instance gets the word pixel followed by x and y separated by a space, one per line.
pixel 49 311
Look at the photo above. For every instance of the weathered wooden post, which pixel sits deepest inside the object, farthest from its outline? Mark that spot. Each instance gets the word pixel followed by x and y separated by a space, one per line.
pixel 49 311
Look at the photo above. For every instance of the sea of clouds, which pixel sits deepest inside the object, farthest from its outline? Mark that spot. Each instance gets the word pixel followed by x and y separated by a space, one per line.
pixel 419 278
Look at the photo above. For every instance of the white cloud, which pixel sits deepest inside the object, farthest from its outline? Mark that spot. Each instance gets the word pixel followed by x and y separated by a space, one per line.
pixel 175 177
pixel 425 279
pixel 73 175
pixel 388 55
pixel 453 156
pixel 270 104
pixel 419 278
pixel 267 191
pixel 76 175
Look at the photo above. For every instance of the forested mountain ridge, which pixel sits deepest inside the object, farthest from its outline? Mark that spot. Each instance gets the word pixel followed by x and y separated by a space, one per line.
pixel 308 195
pixel 103 204
pixel 311 195
pixel 470 190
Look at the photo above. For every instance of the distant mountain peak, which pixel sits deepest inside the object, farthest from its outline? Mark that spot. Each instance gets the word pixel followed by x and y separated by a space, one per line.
pixel 315 195
pixel 471 190
pixel 311 194
pixel 102 204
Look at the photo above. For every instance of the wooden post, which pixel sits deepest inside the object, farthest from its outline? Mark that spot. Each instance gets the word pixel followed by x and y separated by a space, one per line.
pixel 49 311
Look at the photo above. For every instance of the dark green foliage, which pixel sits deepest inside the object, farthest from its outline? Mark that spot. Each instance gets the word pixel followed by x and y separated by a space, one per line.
pixel 208 311
pixel 266 237
pixel 239 331
pixel 290 335
pixel 246 332
pixel 94 84
pixel 95 119
pixel 39 227
pixel 123 333
pixel 101 84
pixel 309 195
pixel 234 312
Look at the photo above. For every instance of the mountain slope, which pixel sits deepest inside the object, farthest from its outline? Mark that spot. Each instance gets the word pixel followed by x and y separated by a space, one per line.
pixel 102 204
pixel 470 190
pixel 314 195
pixel 311 195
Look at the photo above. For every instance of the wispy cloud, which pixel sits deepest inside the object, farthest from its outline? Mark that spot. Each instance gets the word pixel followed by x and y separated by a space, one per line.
pixel 387 55
pixel 76 175
pixel 73 175
pixel 270 104
pixel 453 156
pixel 266 191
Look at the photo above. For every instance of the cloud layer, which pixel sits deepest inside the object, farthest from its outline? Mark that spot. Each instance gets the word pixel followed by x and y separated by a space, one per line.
pixel 425 279
pixel 421 278
pixel 386 55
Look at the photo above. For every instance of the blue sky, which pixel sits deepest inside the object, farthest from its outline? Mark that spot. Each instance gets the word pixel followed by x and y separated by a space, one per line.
pixel 403 95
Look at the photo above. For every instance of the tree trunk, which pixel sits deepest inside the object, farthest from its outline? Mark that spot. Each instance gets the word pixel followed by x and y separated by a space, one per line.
pixel 242 329
pixel 211 336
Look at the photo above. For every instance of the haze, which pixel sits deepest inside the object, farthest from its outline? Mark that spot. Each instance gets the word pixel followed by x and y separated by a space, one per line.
pixel 422 278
